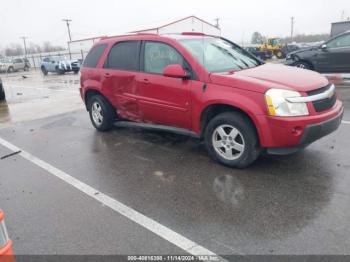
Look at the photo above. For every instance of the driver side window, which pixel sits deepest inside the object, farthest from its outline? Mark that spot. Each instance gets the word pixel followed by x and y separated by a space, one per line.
pixel 341 41
pixel 158 56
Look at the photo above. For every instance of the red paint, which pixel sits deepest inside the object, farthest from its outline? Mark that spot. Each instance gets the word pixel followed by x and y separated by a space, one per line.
pixel 180 102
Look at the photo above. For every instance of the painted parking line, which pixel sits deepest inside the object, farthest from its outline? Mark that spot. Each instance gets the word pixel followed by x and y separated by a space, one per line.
pixel 346 122
pixel 164 232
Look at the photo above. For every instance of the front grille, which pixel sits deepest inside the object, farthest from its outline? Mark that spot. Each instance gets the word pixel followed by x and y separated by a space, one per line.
pixel 324 104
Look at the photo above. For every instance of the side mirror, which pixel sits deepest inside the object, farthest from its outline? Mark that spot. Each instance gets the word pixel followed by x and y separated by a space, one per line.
pixel 324 47
pixel 175 71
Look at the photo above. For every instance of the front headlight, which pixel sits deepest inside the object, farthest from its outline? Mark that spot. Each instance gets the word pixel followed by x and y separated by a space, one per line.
pixel 277 104
pixel 288 57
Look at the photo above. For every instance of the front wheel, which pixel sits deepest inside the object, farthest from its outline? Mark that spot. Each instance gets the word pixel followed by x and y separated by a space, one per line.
pixel 231 140
pixel 2 95
pixel 102 113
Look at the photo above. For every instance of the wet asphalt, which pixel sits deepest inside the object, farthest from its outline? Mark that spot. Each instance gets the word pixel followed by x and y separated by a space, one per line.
pixel 297 204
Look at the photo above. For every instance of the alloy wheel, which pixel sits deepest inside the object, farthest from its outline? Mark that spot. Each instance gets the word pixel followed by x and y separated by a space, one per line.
pixel 97 113
pixel 228 142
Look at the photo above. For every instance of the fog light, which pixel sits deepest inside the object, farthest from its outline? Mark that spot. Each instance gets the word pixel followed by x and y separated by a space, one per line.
pixel 297 130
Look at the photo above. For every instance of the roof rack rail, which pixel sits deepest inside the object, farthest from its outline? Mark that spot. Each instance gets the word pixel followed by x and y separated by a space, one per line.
pixel 192 33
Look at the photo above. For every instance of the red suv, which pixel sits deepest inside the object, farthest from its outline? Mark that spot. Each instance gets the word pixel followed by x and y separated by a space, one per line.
pixel 211 88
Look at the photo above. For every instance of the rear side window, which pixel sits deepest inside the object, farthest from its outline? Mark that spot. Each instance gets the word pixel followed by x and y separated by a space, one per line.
pixel 124 56
pixel 94 56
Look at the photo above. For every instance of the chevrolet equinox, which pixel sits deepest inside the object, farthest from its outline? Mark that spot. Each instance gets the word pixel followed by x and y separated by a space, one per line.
pixel 211 88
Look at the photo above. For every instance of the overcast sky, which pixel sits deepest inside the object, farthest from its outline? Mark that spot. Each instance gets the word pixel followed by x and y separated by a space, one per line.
pixel 41 20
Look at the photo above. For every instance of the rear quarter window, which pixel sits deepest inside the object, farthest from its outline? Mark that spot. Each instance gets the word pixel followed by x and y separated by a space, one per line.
pixel 94 56
pixel 124 56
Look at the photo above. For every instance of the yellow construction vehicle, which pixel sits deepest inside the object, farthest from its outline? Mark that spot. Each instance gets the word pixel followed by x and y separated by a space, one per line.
pixel 273 46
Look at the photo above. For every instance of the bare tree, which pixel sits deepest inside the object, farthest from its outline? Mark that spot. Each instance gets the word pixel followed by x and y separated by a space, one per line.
pixel 16 49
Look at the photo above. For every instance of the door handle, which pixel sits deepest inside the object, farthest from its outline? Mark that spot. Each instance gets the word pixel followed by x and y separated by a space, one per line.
pixel 107 75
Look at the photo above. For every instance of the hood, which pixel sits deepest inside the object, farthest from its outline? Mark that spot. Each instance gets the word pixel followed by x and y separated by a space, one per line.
pixel 264 77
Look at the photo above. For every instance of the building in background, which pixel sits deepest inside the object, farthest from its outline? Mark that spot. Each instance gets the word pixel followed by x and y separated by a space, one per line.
pixel 187 24
pixel 340 27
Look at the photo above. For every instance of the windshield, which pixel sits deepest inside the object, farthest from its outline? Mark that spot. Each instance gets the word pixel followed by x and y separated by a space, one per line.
pixel 218 55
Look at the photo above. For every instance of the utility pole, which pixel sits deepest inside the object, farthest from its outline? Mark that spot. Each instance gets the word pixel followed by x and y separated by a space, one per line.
pixel 217 25
pixel 291 28
pixel 25 45
pixel 69 34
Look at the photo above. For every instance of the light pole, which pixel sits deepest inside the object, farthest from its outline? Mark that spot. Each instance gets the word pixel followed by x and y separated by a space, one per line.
pixel 291 29
pixel 67 21
pixel 25 45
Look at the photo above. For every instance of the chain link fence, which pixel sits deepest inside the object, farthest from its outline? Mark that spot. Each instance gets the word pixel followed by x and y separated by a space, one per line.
pixel 36 59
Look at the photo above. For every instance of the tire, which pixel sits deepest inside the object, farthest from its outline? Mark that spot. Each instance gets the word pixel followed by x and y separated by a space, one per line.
pixel 44 71
pixel 76 71
pixel 2 95
pixel 59 71
pixel 10 69
pixel 102 113
pixel 279 54
pixel 26 68
pixel 242 142
pixel 302 64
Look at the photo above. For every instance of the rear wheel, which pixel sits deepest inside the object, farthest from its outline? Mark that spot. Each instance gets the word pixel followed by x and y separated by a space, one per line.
pixel 279 54
pixel 231 140
pixel 43 70
pixel 102 113
pixel 26 68
pixel 11 70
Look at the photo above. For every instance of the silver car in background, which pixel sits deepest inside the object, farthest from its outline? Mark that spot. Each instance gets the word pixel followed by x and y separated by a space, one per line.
pixel 59 65
pixel 13 65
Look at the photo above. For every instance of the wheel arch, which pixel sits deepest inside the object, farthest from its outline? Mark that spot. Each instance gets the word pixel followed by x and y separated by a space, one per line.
pixel 305 60
pixel 91 92
pixel 213 110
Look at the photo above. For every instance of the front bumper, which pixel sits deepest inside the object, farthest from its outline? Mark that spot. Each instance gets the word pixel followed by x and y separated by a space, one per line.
pixel 309 134
pixel 289 62
pixel 288 132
